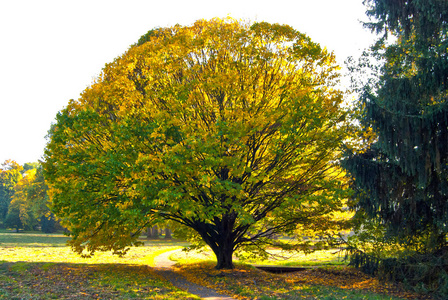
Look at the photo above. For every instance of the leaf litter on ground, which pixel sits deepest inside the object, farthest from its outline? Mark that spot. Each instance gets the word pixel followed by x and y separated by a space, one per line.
pixel 81 281
pixel 246 282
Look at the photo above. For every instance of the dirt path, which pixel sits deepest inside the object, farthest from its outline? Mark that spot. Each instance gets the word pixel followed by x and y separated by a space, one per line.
pixel 164 266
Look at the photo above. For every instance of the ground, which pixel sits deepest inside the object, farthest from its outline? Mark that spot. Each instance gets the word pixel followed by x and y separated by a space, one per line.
pixel 39 266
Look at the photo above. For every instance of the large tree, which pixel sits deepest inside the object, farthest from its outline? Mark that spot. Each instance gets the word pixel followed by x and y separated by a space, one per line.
pixel 232 130
pixel 401 178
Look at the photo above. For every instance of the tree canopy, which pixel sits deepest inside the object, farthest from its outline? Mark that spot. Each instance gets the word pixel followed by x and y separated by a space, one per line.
pixel 231 129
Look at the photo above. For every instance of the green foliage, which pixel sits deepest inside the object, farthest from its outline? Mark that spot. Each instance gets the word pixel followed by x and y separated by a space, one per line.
pixel 153 33
pixel 49 224
pixel 20 215
pixel 400 178
pixel 424 19
pixel 38 201
pixel 30 166
pixel 423 272
pixel 231 130
pixel 10 174
pixel 391 260
pixel 29 201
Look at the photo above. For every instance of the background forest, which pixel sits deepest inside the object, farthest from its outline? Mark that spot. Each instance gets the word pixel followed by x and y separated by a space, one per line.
pixel 24 199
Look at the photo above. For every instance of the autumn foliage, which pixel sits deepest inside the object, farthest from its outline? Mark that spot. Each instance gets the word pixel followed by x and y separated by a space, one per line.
pixel 247 282
pixel 230 129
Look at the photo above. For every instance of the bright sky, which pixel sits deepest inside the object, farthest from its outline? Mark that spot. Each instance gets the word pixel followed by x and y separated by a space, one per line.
pixel 50 51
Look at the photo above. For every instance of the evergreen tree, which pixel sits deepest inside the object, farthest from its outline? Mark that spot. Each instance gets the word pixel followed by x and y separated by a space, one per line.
pixel 401 179
pixel 49 224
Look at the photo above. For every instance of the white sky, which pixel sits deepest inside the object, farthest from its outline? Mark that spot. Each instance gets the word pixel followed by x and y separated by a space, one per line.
pixel 50 51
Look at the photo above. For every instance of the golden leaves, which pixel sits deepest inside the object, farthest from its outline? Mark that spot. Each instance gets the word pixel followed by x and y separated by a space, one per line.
pixel 199 121
pixel 246 282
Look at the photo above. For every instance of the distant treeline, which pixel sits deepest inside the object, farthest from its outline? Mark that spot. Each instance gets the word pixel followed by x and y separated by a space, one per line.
pixel 24 199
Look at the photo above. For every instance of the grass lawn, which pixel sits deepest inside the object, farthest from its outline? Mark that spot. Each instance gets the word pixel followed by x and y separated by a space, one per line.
pixel 41 266
pixel 279 258
pixel 32 239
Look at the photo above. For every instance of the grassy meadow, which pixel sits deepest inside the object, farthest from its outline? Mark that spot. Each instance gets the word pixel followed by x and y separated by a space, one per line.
pixel 41 266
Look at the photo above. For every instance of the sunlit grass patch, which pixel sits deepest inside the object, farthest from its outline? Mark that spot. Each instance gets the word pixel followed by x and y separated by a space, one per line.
pixel 143 255
pixel 278 258
pixel 295 258
pixel 136 255
pixel 193 256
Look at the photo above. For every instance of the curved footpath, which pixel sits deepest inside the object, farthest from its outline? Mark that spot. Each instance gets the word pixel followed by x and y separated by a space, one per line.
pixel 164 266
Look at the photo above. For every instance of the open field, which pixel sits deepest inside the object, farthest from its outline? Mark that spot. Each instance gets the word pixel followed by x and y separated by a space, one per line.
pixel 41 266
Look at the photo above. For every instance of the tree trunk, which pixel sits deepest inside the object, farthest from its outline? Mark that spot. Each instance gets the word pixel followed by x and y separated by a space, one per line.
pixel 167 233
pixel 221 239
pixel 155 232
pixel 148 233
pixel 223 245
pixel 224 257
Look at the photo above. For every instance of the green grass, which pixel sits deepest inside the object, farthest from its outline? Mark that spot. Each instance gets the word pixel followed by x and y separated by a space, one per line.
pixel 330 257
pixel 31 239
pixel 41 266
pixel 280 258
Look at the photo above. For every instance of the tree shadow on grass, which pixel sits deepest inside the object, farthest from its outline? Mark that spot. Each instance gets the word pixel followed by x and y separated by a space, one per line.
pixel 314 283
pixel 32 239
pixel 25 280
